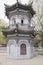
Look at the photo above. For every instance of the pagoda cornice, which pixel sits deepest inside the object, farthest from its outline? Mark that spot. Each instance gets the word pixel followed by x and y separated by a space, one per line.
pixel 18 5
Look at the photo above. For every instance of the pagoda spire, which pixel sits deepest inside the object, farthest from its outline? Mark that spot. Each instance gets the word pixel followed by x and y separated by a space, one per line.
pixel 17 1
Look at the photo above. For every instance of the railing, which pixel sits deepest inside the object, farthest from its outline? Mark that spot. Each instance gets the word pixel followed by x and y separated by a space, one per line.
pixel 25 27
pixel 19 26
pixel 10 27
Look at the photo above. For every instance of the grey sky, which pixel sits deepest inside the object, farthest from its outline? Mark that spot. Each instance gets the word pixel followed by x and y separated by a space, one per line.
pixel 10 2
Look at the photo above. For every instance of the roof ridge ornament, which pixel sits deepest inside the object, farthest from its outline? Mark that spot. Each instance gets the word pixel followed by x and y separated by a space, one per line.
pixel 17 4
pixel 31 3
pixel 17 1
pixel 6 5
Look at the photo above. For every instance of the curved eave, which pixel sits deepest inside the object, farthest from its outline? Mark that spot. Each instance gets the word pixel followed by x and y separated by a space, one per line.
pixel 19 6
pixel 8 32
pixel 18 32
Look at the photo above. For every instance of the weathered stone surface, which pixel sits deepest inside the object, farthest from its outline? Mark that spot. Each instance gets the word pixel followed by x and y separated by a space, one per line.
pixel 13 49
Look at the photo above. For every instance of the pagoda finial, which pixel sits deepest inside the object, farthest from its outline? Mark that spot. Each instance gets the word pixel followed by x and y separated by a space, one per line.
pixel 17 1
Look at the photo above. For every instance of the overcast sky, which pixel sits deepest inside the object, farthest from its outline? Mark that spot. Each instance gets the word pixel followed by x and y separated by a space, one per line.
pixel 10 2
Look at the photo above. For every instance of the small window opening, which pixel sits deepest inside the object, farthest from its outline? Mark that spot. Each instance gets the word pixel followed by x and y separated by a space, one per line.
pixel 14 21
pixel 22 22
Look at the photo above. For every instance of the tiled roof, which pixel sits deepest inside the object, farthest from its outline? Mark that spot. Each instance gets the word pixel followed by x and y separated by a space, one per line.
pixel 19 6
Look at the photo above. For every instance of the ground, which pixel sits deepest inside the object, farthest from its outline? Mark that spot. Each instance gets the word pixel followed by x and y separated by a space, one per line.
pixel 37 60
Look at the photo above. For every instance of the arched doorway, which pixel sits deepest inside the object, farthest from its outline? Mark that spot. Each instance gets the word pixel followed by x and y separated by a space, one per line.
pixel 23 49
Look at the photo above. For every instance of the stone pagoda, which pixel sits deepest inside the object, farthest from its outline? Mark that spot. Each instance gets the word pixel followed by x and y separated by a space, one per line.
pixel 20 33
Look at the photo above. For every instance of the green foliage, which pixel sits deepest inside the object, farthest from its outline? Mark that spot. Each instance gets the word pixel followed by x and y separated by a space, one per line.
pixel 35 44
pixel 42 43
pixel 41 31
pixel 39 25
pixel 2 37
pixel 41 28
pixel 2 25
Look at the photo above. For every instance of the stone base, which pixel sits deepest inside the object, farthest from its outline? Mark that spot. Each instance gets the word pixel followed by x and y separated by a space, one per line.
pixel 13 50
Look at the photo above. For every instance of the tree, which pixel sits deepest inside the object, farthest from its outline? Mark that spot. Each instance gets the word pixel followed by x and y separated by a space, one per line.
pixel 41 32
pixel 2 25
pixel 38 23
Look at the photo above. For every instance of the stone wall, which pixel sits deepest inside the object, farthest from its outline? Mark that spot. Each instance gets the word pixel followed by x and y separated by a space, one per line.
pixel 13 49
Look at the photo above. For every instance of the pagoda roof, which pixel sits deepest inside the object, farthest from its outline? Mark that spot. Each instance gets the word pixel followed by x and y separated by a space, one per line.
pixel 8 31
pixel 19 6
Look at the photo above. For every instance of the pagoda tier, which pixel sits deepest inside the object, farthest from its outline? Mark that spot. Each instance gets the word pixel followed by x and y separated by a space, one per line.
pixel 18 29
pixel 19 13
pixel 19 6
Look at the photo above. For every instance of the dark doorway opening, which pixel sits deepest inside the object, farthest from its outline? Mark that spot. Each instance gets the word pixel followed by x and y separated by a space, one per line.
pixel 22 22
pixel 23 49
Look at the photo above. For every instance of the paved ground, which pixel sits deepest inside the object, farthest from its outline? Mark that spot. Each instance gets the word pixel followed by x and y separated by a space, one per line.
pixel 37 60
